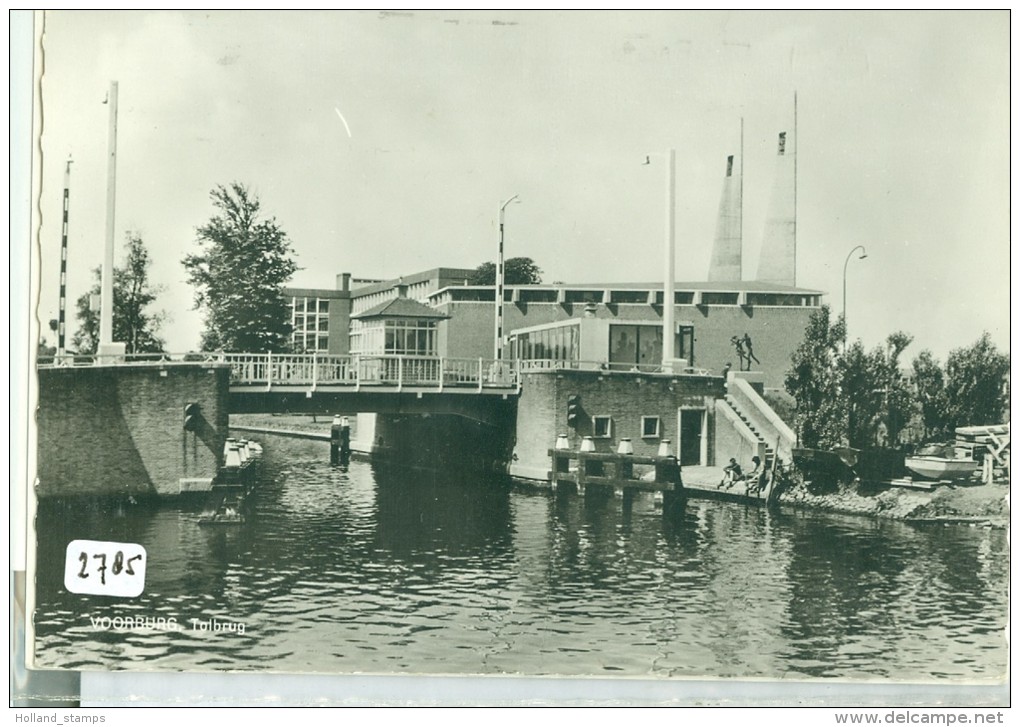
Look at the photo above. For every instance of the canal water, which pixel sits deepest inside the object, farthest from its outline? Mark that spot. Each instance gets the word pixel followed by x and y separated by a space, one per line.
pixel 397 571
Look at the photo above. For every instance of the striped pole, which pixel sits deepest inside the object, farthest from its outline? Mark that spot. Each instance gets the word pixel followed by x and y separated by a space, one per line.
pixel 61 316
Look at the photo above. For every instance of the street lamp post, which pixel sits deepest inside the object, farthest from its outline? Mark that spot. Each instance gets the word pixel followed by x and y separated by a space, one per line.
pixel 864 254
pixel 500 282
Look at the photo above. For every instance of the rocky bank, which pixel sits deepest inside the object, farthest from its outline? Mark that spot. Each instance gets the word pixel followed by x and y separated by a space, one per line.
pixel 962 502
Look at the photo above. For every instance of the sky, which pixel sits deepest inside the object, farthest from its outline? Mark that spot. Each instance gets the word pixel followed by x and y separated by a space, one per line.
pixel 384 143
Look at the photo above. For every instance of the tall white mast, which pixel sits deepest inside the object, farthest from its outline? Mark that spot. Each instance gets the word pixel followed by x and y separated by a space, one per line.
pixel 669 285
pixel 106 290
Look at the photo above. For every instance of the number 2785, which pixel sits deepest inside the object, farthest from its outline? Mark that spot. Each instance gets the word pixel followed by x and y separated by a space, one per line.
pixel 119 565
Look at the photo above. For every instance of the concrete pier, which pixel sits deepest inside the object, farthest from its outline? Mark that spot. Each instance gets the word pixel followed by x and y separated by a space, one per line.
pixel 123 430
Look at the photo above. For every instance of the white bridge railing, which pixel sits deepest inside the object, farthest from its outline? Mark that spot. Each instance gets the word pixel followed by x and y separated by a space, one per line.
pixel 319 369
pixel 314 369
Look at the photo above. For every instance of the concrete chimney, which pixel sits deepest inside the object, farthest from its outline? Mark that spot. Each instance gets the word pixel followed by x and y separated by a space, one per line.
pixel 726 264
pixel 343 282
pixel 778 261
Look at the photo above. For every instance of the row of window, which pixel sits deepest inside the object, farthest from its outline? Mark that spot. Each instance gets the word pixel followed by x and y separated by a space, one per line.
pixel 558 344
pixel 602 427
pixel 633 297
pixel 487 295
pixel 401 336
pixel 310 324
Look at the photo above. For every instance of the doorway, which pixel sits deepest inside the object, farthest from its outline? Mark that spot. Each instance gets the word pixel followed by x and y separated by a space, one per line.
pixel 691 436
pixel 685 343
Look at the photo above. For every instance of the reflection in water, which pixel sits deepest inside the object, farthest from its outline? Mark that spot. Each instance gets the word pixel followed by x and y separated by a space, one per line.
pixel 421 513
pixel 377 569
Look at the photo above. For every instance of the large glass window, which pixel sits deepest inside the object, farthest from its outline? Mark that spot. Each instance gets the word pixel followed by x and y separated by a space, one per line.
pixel 399 336
pixel 551 344
pixel 309 324
pixel 635 347
pixel 623 344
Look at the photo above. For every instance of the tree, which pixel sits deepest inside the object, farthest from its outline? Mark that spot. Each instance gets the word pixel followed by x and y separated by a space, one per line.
pixel 239 275
pixel 133 324
pixel 976 384
pixel 930 392
pixel 516 271
pixel 900 402
pixel 860 374
pixel 814 381
pixel 879 402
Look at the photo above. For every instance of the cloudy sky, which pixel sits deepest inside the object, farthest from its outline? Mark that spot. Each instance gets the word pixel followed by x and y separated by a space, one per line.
pixel 384 142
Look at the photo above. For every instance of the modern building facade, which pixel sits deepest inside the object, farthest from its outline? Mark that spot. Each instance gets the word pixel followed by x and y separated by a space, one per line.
pixel 322 317
pixel 623 322
pixel 696 388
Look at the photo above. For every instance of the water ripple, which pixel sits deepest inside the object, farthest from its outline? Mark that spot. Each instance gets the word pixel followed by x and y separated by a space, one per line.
pixel 364 570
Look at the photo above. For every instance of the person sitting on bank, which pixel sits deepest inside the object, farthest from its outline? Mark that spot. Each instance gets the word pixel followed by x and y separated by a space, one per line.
pixel 731 473
pixel 756 477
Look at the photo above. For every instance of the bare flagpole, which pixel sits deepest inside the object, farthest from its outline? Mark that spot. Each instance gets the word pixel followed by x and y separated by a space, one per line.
pixel 669 284
pixel 106 291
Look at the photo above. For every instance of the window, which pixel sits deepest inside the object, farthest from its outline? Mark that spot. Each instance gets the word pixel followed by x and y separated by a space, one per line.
pixel 583 296
pixel 400 336
pixel 776 299
pixel 680 297
pixel 310 324
pixel 537 296
pixel 602 427
pixel 629 296
pixel 719 298
pixel 473 294
pixel 649 427
pixel 556 344
pixel 635 347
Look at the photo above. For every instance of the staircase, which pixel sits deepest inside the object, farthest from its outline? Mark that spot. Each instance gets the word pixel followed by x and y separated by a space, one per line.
pixel 758 420
pixel 770 449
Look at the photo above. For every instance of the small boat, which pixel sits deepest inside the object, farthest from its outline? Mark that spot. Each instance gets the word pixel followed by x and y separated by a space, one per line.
pixel 940 462
pixel 223 515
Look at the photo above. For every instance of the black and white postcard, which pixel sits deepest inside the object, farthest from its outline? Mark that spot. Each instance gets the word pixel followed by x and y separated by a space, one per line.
pixel 636 345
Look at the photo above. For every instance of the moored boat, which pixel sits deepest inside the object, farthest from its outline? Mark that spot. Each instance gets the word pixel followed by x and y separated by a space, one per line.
pixel 939 462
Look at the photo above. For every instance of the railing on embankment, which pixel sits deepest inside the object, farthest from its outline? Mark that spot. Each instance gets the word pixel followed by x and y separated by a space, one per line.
pixel 355 371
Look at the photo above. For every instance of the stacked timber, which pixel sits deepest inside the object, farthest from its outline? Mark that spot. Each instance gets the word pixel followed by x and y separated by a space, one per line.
pixel 975 442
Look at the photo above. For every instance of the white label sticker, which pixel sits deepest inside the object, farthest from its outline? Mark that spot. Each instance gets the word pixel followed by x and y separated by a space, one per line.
pixel 102 568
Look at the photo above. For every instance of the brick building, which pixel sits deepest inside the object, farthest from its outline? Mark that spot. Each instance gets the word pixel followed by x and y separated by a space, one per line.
pixel 708 315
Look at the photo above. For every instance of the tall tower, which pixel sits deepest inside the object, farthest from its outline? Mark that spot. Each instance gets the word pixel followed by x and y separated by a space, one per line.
pixel 726 251
pixel 778 261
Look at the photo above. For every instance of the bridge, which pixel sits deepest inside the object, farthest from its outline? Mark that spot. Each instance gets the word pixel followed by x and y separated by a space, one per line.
pixel 272 382
pixel 156 424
